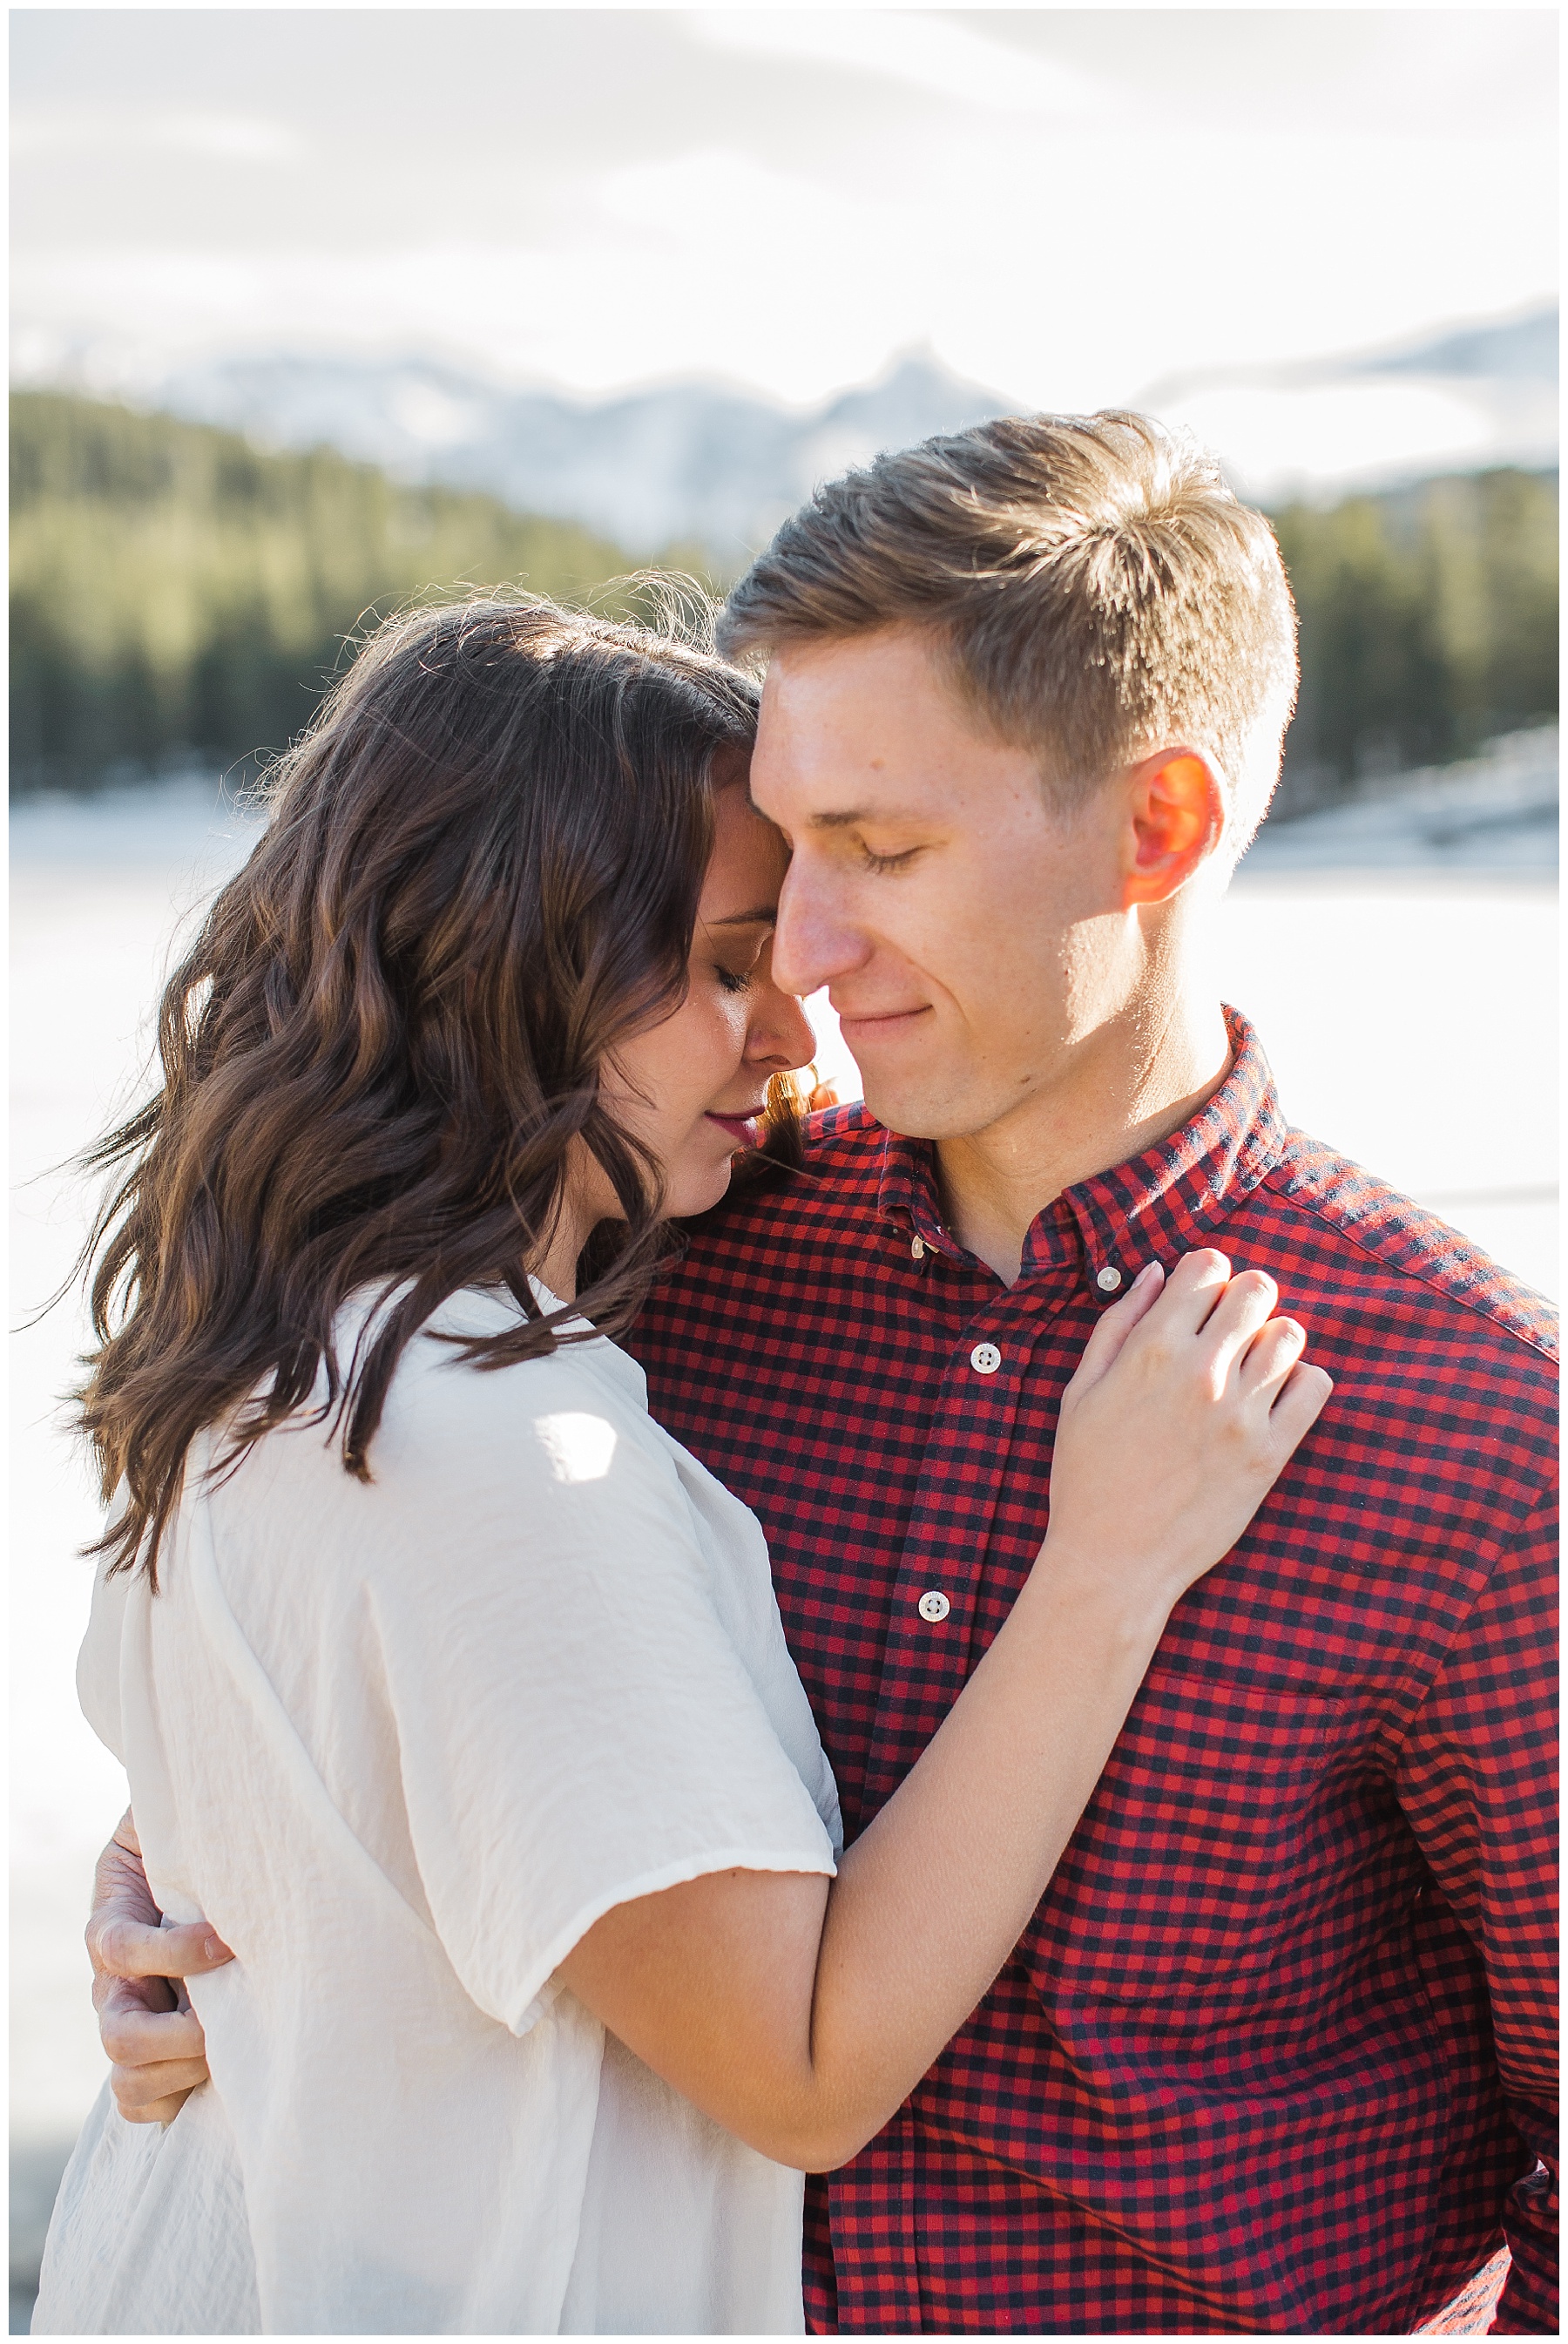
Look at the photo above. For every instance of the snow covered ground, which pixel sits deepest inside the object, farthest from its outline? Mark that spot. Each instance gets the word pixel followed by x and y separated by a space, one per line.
pixel 1398 958
pixel 1496 812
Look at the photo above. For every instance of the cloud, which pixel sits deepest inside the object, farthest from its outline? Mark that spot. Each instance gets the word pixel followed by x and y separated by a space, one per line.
pixel 1274 440
pixel 607 197
pixel 207 135
pixel 925 51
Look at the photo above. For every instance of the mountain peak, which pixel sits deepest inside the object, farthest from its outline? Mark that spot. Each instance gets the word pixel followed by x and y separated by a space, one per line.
pixel 650 468
pixel 1518 349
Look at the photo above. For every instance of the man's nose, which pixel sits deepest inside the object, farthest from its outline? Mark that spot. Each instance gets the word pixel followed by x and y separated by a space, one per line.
pixel 813 942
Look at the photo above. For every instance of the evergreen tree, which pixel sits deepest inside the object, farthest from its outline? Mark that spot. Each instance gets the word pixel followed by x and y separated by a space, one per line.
pixel 179 595
pixel 1429 622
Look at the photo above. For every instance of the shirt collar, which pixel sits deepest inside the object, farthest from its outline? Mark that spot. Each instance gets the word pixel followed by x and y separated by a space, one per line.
pixel 1159 1203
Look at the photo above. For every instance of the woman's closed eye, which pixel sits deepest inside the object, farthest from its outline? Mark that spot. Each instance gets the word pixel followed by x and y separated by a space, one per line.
pixel 738 958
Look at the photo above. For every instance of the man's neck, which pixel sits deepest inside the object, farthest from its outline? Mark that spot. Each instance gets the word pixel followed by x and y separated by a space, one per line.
pixel 1130 1084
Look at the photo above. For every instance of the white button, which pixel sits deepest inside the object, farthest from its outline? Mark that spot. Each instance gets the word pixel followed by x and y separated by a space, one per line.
pixel 985 1359
pixel 933 1604
pixel 1109 1279
pixel 918 1248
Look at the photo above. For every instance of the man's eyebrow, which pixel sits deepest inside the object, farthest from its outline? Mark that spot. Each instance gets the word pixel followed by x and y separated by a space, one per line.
pixel 764 917
pixel 846 820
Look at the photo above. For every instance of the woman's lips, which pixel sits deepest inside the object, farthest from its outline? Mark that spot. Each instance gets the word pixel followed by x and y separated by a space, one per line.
pixel 743 1129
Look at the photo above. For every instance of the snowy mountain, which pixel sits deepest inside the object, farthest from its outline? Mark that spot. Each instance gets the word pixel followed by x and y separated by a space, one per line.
pixel 685 462
pixel 1456 401
pixel 1523 350
pixel 699 464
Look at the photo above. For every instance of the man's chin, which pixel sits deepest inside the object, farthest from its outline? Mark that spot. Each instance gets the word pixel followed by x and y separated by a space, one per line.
pixel 914 1109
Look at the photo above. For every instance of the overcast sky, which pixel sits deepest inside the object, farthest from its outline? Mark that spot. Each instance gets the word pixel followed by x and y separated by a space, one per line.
pixel 1065 205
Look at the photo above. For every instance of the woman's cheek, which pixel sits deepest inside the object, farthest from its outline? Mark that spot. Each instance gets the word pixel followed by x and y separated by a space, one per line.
pixel 730 1027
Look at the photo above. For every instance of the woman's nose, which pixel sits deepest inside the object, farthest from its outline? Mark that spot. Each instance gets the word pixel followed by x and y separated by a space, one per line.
pixel 781 1036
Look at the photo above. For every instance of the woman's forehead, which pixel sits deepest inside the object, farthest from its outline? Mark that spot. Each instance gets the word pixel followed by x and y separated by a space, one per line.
pixel 747 864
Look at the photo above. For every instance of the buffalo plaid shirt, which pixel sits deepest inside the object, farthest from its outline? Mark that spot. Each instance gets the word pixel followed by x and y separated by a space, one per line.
pixel 1275 2053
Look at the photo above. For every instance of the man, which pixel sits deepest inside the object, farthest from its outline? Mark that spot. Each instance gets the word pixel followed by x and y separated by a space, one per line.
pixel 1275 2053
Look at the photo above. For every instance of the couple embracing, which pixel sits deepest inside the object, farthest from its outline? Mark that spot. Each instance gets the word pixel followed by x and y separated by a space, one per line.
pixel 971 1725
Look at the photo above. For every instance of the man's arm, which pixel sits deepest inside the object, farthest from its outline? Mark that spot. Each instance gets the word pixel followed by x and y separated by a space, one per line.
pixel 1477 1779
pixel 146 2024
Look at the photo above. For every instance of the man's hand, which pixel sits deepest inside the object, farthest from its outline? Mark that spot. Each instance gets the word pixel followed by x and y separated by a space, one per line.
pixel 146 2023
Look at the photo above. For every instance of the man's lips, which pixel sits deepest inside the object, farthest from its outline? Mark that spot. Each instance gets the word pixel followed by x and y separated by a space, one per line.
pixel 879 1024
pixel 742 1128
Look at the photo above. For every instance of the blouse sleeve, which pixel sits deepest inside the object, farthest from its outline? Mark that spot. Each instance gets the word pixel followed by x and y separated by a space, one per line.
pixel 575 1726
pixel 98 1661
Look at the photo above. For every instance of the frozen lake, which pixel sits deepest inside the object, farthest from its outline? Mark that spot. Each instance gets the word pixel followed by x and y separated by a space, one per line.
pixel 1402 974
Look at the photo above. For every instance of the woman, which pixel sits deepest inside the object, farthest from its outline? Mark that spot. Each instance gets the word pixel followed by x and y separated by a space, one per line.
pixel 451 1691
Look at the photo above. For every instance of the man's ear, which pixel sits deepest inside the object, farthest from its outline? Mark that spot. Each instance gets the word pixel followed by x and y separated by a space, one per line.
pixel 1176 813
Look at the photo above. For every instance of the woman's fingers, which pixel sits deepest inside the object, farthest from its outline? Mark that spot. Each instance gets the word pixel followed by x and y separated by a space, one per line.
pixel 1114 1326
pixel 1238 1318
pixel 143 2087
pixel 1271 1354
pixel 1163 1458
pixel 1227 1316
pixel 124 1935
pixel 161 2112
pixel 153 2040
pixel 135 2036
pixel 1204 1307
pixel 1192 1290
pixel 130 1948
pixel 157 2055
pixel 156 2095
pixel 1300 1404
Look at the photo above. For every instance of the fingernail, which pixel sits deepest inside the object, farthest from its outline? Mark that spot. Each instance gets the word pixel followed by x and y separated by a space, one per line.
pixel 214 1950
pixel 1145 1273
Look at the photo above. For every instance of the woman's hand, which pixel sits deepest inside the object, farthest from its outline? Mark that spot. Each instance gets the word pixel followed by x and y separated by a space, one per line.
pixel 801 2016
pixel 151 2036
pixel 1186 1407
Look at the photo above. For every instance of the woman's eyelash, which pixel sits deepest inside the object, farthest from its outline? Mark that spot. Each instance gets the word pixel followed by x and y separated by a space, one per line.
pixel 736 980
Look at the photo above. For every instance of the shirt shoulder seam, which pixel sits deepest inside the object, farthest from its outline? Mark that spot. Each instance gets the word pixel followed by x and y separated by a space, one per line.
pixel 1402 1269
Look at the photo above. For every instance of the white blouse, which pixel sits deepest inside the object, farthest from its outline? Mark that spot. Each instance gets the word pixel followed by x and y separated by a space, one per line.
pixel 402 1743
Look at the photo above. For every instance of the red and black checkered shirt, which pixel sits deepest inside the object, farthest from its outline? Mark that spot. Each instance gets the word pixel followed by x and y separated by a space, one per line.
pixel 1276 2053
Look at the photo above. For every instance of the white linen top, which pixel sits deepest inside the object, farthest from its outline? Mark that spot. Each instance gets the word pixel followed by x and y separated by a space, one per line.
pixel 402 1744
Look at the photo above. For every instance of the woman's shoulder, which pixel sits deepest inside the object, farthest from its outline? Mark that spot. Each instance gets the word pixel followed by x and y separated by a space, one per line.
pixel 438 1363
pixel 555 1447
pixel 582 1363
pixel 552 1414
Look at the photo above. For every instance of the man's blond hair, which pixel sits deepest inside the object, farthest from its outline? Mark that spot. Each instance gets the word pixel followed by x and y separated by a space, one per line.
pixel 1099 591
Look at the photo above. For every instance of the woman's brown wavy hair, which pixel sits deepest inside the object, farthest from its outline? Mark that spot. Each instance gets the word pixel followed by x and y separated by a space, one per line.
pixel 480 872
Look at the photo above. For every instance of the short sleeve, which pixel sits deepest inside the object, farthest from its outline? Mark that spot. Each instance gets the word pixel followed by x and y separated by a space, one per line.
pixel 577 1727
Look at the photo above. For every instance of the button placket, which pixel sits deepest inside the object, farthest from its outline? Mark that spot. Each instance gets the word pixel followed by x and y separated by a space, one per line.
pixel 946 1555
